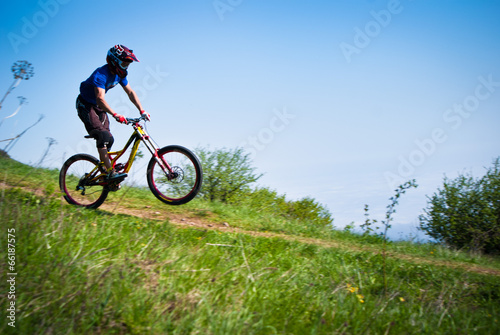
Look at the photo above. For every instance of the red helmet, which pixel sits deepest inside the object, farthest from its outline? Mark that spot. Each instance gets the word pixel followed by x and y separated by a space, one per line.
pixel 118 58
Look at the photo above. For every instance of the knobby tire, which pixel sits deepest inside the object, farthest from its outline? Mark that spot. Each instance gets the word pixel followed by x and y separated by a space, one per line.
pixel 187 181
pixel 72 175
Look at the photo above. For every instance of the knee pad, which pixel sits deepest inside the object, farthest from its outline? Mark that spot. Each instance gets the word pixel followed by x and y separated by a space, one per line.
pixel 103 139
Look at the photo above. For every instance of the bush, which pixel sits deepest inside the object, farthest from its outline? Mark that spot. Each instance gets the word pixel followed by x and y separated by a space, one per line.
pixel 465 213
pixel 227 173
pixel 305 210
pixel 228 176
pixel 308 209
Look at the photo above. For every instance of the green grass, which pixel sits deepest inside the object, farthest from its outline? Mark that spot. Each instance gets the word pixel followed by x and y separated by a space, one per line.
pixel 93 272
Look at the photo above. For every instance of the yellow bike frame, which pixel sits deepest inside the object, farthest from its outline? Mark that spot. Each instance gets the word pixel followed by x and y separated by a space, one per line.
pixel 139 135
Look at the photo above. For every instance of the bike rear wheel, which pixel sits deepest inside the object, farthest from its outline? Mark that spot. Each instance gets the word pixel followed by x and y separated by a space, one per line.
pixel 183 184
pixel 75 182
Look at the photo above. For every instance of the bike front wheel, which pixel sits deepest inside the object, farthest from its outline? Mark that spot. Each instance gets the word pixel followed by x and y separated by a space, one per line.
pixel 77 181
pixel 182 183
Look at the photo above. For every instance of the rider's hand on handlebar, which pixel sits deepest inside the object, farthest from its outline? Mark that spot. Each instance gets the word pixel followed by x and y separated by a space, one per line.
pixel 146 115
pixel 120 118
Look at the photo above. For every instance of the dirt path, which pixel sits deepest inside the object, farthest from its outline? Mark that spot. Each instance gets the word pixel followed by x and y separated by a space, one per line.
pixel 185 221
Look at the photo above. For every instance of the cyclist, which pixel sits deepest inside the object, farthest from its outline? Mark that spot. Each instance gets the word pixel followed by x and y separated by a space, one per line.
pixel 93 109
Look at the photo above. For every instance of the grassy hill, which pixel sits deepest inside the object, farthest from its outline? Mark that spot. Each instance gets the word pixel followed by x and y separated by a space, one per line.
pixel 137 266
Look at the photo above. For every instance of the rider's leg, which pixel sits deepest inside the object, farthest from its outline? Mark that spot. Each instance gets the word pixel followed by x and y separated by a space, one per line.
pixel 104 141
pixel 96 122
pixel 104 157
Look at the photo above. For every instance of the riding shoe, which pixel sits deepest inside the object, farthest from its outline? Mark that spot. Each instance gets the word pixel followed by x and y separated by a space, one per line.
pixel 114 176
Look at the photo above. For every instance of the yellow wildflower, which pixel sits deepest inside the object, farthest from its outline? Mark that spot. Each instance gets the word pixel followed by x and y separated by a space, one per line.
pixel 351 288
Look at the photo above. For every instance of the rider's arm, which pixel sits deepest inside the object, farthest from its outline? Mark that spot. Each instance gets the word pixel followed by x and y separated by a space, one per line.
pixel 133 97
pixel 101 102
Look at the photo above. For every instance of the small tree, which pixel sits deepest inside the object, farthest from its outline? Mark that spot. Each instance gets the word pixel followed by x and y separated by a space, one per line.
pixel 227 173
pixel 228 176
pixel 465 213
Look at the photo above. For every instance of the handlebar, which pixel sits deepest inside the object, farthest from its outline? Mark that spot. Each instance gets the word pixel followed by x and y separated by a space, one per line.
pixel 135 120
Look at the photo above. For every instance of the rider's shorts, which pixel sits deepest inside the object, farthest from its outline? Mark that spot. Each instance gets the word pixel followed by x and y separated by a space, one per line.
pixel 96 122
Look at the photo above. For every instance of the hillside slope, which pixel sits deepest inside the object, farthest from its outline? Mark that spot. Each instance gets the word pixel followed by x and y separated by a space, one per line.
pixel 141 267
pixel 130 201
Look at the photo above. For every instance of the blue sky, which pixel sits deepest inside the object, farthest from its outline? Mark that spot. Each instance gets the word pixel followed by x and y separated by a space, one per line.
pixel 338 100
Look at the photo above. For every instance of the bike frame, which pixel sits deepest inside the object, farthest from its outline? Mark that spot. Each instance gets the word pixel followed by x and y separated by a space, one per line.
pixel 139 135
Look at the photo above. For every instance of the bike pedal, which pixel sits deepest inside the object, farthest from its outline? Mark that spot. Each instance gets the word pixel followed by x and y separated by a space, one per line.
pixel 119 180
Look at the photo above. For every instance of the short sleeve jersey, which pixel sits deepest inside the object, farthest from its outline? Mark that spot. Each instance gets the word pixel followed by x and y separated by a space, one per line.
pixel 103 78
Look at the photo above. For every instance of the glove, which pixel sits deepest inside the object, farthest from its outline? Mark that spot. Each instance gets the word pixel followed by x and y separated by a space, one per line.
pixel 146 115
pixel 120 118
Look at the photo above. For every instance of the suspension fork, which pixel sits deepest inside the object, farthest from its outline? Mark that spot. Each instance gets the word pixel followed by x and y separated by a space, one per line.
pixel 153 149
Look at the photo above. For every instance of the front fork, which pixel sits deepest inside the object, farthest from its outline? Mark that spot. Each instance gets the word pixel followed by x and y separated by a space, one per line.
pixel 153 149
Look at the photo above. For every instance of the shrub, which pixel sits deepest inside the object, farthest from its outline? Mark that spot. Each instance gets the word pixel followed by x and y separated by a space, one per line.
pixel 306 210
pixel 228 176
pixel 465 213
pixel 227 173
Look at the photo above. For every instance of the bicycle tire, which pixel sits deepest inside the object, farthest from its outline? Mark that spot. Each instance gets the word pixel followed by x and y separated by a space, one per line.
pixel 185 185
pixel 73 186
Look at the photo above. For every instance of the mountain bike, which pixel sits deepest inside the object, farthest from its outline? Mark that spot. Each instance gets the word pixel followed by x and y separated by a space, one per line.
pixel 174 173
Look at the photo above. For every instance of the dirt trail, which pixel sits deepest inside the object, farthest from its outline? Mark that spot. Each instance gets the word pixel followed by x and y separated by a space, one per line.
pixel 185 221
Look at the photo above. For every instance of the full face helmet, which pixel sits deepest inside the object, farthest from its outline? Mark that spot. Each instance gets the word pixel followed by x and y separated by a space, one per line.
pixel 119 57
